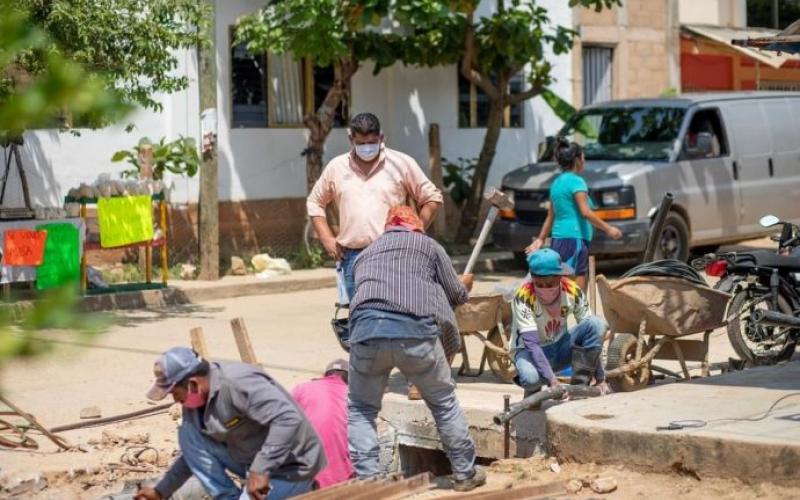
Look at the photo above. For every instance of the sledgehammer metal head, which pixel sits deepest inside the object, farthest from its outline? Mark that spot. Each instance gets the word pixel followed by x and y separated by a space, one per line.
pixel 499 199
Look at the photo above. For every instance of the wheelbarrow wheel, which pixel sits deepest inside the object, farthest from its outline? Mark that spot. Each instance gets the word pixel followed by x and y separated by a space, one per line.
pixel 501 365
pixel 621 351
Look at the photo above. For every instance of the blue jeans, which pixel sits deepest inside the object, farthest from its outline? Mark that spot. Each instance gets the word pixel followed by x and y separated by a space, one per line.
pixel 209 459
pixel 423 362
pixel 348 258
pixel 587 334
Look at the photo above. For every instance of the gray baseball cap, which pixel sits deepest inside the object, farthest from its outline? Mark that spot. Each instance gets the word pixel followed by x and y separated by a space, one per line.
pixel 170 368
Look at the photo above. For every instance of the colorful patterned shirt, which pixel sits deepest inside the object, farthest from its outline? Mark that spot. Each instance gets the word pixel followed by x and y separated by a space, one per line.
pixel 530 316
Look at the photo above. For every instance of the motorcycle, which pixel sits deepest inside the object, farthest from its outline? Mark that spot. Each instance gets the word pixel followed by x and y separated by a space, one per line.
pixel 764 312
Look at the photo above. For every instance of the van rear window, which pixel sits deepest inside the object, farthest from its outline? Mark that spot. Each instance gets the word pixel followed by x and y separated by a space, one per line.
pixel 625 133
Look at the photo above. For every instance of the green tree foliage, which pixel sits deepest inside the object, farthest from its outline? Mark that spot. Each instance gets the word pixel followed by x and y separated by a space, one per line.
pixel 512 40
pixel 131 43
pixel 337 33
pixel 490 49
pixel 29 100
pixel 57 86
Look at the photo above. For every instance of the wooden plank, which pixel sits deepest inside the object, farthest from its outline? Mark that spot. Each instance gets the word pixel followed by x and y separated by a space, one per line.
pixel 246 352
pixel 343 490
pixel 199 342
pixel 162 208
pixel 373 490
pixel 528 492
pixel 396 490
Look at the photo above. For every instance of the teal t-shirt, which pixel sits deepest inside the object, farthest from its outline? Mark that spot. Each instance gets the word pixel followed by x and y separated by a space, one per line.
pixel 568 221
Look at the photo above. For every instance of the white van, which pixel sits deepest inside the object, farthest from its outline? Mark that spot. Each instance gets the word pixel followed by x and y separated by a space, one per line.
pixel 727 158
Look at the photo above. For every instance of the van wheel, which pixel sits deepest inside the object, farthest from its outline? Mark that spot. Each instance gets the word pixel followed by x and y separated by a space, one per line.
pixel 674 243
pixel 521 260
pixel 704 250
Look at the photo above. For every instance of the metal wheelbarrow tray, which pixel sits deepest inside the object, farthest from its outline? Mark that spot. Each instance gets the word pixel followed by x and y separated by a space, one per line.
pixel 647 315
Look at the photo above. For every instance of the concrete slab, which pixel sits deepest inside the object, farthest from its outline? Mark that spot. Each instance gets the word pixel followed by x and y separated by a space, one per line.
pixel 737 439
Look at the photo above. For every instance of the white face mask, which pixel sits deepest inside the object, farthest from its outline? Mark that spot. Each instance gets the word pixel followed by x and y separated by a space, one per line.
pixel 368 152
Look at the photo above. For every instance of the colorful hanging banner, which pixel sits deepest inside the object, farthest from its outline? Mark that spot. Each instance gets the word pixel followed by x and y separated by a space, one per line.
pixel 125 220
pixel 61 263
pixel 23 247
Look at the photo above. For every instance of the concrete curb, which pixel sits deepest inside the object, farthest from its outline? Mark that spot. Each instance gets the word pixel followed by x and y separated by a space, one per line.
pixel 743 432
pixel 682 453
pixel 179 296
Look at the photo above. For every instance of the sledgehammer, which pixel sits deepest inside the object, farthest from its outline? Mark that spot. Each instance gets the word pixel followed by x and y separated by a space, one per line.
pixel 499 201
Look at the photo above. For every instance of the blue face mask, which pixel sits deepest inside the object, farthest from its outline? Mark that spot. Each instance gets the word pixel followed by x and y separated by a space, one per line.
pixel 368 152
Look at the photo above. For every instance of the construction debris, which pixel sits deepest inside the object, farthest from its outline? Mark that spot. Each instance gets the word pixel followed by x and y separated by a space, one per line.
pixel 91 412
pixel 188 271
pixel 603 485
pixel 175 412
pixel 111 439
pixel 574 487
pixel 238 268
pixel 27 487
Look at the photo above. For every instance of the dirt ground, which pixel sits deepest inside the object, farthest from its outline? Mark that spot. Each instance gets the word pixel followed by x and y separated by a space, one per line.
pixel 114 370
pixel 75 482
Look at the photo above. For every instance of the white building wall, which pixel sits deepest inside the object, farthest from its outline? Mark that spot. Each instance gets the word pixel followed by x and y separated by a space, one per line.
pixel 727 13
pixel 55 161
pixel 266 163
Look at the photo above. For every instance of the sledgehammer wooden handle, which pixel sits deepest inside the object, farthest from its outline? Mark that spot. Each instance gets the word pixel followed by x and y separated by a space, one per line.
pixel 487 225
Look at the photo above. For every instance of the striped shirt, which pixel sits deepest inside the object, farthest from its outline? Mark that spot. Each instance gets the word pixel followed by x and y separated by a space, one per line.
pixel 408 273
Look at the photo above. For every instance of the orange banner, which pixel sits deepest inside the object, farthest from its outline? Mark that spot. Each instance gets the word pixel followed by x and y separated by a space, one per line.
pixel 24 247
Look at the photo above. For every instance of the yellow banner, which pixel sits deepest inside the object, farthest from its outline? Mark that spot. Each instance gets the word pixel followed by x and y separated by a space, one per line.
pixel 125 220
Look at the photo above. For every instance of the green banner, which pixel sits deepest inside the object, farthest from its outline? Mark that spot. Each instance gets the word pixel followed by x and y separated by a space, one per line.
pixel 61 263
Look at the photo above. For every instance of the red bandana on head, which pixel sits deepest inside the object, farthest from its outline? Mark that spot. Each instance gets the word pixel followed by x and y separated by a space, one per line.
pixel 404 216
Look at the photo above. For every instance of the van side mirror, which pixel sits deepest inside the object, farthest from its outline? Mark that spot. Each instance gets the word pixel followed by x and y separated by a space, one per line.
pixel 702 148
pixel 545 147
pixel 769 221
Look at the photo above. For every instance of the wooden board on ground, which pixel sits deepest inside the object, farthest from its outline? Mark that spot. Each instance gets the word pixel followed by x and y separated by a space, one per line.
pixel 199 342
pixel 246 352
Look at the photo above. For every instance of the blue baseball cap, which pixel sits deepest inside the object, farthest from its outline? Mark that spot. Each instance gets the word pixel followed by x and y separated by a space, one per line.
pixel 547 262
pixel 171 368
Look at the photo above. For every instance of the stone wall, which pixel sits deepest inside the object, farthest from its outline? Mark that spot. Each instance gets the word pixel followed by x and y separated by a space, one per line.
pixel 644 35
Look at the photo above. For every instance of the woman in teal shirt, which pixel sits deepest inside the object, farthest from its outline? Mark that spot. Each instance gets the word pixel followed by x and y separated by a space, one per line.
pixel 570 216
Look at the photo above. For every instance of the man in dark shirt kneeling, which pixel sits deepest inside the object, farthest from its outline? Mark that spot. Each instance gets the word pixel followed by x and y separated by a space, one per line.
pixel 236 419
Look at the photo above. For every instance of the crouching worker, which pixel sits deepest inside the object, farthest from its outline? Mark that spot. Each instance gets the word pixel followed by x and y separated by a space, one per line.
pixel 541 342
pixel 236 420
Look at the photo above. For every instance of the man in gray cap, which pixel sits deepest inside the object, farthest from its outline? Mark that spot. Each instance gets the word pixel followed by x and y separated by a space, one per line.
pixel 238 420
pixel 324 401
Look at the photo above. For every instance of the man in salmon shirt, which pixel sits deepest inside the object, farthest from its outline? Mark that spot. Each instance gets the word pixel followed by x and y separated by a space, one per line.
pixel 363 184
pixel 324 402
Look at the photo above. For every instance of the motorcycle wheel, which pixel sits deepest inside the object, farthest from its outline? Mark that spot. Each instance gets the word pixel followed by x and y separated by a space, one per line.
pixel 748 339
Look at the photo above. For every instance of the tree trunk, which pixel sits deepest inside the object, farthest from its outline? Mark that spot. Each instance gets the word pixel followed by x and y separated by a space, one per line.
pixel 435 164
pixel 472 207
pixel 320 123
pixel 208 206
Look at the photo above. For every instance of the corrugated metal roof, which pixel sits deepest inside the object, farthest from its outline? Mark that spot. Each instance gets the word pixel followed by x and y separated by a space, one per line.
pixel 787 41
pixel 727 35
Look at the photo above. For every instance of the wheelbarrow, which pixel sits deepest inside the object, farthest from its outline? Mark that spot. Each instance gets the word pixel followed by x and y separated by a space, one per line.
pixel 648 316
pixel 486 317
